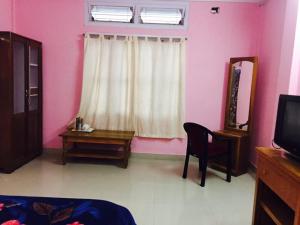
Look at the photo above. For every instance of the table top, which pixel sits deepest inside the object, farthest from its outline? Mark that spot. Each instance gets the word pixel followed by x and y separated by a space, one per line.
pixel 282 160
pixel 103 134
pixel 230 133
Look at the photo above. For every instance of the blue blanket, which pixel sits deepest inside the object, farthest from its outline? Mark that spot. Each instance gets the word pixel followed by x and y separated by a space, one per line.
pixel 17 210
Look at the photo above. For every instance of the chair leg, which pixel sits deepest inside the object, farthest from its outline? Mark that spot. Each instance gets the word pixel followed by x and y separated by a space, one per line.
pixel 200 164
pixel 229 156
pixel 203 176
pixel 186 166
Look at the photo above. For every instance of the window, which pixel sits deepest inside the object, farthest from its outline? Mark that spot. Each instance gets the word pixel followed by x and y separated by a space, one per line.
pixel 112 14
pixel 150 14
pixel 161 16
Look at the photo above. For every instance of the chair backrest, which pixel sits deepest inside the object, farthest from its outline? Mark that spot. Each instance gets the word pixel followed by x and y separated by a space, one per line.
pixel 197 138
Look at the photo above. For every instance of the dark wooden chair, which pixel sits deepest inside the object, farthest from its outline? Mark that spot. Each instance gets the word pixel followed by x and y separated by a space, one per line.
pixel 198 145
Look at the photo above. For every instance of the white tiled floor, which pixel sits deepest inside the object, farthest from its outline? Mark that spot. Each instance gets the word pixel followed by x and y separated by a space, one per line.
pixel 151 189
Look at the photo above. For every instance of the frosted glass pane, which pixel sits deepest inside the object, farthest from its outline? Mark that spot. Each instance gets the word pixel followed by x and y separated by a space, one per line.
pixel 112 13
pixel 33 79
pixel 19 77
pixel 33 104
pixel 34 55
pixel 33 76
pixel 161 16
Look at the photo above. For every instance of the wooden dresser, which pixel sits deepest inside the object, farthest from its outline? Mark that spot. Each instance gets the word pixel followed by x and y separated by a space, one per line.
pixel 277 198
pixel 240 153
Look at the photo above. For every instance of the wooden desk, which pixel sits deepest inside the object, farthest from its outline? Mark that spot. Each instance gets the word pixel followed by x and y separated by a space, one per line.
pixel 277 198
pixel 100 144
pixel 240 153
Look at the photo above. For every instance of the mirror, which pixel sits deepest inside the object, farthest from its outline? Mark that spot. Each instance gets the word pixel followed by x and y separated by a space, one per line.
pixel 240 93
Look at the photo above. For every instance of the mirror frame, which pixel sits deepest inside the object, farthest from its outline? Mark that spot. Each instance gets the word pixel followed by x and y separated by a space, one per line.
pixel 254 60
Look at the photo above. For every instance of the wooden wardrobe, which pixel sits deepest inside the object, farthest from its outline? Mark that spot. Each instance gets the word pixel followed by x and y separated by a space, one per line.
pixel 20 100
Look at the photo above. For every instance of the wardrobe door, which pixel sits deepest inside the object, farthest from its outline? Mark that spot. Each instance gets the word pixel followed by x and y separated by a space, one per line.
pixel 34 99
pixel 5 98
pixel 19 149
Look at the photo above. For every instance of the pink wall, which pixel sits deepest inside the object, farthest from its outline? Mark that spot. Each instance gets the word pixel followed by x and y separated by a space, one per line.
pixel 275 62
pixel 295 72
pixel 6 16
pixel 212 40
pixel 269 60
pixel 287 49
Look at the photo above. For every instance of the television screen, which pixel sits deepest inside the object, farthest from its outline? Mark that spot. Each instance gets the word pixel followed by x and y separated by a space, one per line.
pixel 287 131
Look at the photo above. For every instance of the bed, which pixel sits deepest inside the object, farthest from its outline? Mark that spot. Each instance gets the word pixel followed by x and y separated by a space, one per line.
pixel 18 210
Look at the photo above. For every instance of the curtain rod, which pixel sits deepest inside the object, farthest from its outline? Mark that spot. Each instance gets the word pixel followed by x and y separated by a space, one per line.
pixel 136 35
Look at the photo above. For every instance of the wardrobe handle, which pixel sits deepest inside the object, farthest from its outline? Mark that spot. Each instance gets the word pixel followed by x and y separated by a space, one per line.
pixel 27 96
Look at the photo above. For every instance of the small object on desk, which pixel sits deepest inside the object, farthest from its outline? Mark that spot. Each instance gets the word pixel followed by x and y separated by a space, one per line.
pixel 89 130
pixel 85 127
pixel 77 123
pixel 81 124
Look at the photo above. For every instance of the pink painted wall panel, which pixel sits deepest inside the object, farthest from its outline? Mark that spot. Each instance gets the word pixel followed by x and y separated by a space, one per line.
pixel 58 24
pixel 295 71
pixel 212 40
pixel 6 19
pixel 275 70
pixel 287 49
pixel 269 60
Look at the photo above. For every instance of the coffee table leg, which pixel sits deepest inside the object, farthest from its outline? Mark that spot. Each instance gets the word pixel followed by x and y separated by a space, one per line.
pixel 126 155
pixel 63 154
pixel 124 163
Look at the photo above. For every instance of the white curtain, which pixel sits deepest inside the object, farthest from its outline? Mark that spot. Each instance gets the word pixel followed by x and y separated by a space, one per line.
pixel 134 84
pixel 159 87
pixel 107 92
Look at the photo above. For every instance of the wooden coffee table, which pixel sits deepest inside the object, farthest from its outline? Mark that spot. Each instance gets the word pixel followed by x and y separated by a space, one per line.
pixel 99 144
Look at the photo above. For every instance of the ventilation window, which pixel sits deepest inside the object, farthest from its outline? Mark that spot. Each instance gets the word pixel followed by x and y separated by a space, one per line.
pixel 169 14
pixel 112 14
pixel 161 16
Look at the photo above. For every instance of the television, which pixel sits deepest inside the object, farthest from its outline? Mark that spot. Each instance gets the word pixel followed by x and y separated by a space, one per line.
pixel 287 130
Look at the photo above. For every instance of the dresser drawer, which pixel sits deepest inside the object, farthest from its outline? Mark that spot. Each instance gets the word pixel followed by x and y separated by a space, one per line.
pixel 279 182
